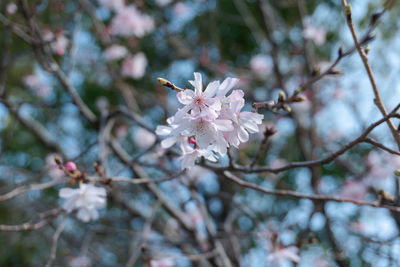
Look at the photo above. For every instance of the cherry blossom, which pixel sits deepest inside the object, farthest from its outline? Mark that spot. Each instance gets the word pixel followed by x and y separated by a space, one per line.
pixel 37 84
pixel 163 262
pixel 199 101
pixel 261 65
pixel 131 22
pixel 143 138
pixel 134 67
pixel 354 189
pixel 86 199
pixel 209 122
pixel 60 43
pixel 316 34
pixel 115 52
pixel 11 8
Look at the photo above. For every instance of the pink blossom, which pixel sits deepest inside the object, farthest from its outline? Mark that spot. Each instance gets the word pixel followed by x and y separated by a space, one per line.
pixel 163 262
pixel 180 8
pixel 52 168
pixel 135 67
pixel 199 101
pixel 261 65
pixel 11 8
pixel 70 166
pixel 121 131
pixel 37 84
pixel 354 189
pixel 131 22
pixel 81 261
pixel 316 34
pixel 209 122
pixel 60 43
pixel 115 52
pixel 381 165
pixel 143 138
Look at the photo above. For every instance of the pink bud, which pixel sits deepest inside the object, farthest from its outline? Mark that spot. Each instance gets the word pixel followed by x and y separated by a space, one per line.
pixel 192 141
pixel 70 166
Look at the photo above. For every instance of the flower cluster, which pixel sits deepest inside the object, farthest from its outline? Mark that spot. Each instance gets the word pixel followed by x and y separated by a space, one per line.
pixel 86 199
pixel 210 121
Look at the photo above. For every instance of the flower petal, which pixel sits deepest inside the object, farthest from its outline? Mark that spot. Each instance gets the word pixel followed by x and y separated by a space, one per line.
pixel 185 97
pixel 227 85
pixel 211 89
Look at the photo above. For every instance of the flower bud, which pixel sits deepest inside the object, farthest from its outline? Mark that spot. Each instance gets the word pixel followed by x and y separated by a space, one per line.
pixel 162 81
pixel 281 96
pixel 57 160
pixel 397 172
pixel 70 166
pixel 287 108
pixel 300 98
pixel 348 10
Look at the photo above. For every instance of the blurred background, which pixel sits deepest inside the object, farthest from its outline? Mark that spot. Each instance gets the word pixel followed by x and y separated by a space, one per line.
pixel 110 53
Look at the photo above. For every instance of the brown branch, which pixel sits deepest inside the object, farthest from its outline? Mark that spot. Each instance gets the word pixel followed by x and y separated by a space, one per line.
pixel 48 216
pixel 323 198
pixel 311 163
pixel 19 190
pixel 381 146
pixel 56 237
pixel 36 128
pixel 378 100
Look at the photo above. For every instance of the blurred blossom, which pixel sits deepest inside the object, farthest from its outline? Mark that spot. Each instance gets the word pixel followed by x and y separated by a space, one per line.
pixel 121 131
pixel 52 168
pixel 261 65
pixel 357 227
pixel 316 34
pixel 277 163
pixel 164 262
pixel 135 66
pixel 112 4
pixel 86 199
pixel 81 261
pixel 131 22
pixel 163 3
pixel 353 189
pixel 381 165
pixel 115 52
pixel 11 8
pixel 321 263
pixel 284 254
pixel 197 173
pixel 60 43
pixel 37 84
pixel 339 93
pixel 143 138
pixel 180 8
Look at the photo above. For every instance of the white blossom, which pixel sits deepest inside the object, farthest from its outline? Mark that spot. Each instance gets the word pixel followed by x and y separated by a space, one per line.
pixel 131 22
pixel 134 67
pixel 209 122
pixel 87 199
pixel 115 52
